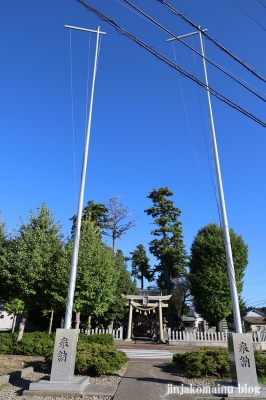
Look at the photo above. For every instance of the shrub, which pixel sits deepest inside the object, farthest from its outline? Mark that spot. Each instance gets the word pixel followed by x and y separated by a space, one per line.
pixel 212 362
pixel 35 343
pixel 99 338
pixel 204 362
pixel 260 361
pixel 8 343
pixel 94 359
pixel 32 344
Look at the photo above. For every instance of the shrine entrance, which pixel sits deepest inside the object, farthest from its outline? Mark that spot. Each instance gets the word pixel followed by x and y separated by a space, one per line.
pixel 145 323
pixel 145 315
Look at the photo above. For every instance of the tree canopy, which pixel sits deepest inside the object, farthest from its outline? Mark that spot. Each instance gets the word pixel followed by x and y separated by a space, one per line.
pixel 208 272
pixel 96 273
pixel 32 251
pixel 140 265
pixel 168 246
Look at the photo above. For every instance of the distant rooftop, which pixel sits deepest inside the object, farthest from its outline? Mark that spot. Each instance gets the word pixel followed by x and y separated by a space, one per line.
pixel 149 292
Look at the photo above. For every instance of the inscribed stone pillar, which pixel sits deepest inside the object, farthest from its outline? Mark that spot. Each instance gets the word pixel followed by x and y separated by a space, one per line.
pixel 129 326
pixel 242 361
pixel 160 320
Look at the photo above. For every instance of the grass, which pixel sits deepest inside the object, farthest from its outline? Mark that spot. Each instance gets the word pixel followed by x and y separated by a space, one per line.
pixel 3 386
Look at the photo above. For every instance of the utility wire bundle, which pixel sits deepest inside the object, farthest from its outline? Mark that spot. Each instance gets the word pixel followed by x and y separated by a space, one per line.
pixel 171 64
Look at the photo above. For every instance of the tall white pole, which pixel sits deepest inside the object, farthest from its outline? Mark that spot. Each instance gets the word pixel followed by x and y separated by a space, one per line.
pixel 228 250
pixel 74 260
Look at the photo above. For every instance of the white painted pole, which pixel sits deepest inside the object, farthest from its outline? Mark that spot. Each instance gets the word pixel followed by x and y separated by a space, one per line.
pixel 74 260
pixel 228 250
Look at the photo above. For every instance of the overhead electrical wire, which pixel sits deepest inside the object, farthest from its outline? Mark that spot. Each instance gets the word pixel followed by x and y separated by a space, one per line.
pixel 262 3
pixel 253 19
pixel 174 11
pixel 205 140
pixel 192 140
pixel 158 55
pixel 142 13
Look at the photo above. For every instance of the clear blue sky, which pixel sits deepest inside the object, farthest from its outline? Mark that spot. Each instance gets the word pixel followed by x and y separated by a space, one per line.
pixel 142 126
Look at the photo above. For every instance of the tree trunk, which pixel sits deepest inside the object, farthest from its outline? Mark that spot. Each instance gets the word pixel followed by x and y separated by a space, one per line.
pixel 168 291
pixel 77 322
pixel 14 323
pixel 88 323
pixel 219 327
pixel 21 327
pixel 142 281
pixel 51 322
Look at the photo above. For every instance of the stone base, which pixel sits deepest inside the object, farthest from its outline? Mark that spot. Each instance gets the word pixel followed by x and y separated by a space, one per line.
pixel 76 384
pixel 241 391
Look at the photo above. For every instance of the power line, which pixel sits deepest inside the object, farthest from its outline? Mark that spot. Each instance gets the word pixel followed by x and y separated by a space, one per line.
pixel 253 19
pixel 158 55
pixel 150 19
pixel 192 139
pixel 261 3
pixel 174 11
pixel 205 140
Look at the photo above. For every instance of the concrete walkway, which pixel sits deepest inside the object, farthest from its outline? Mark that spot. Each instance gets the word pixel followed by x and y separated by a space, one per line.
pixel 146 381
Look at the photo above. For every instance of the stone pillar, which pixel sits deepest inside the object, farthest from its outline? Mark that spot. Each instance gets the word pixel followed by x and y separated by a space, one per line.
pixel 160 321
pixel 129 326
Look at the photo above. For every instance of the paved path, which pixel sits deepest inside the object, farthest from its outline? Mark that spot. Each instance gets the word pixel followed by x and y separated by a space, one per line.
pixel 148 354
pixel 143 381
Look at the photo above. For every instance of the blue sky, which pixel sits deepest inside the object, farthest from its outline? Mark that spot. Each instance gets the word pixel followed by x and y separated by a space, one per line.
pixel 150 126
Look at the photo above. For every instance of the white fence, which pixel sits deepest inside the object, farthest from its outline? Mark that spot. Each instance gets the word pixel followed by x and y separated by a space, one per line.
pixel 192 337
pixel 209 337
pixel 117 333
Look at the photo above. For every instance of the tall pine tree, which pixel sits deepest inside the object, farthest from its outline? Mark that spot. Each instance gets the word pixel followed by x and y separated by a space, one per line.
pixel 168 246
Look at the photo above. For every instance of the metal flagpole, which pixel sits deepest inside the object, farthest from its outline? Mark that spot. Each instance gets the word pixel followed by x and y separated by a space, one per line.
pixel 228 250
pixel 74 260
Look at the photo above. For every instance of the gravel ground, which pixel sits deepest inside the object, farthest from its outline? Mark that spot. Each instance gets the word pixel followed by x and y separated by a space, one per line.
pixel 14 391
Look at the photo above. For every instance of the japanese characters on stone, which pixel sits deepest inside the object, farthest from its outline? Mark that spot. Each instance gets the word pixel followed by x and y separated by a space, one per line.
pixel 244 360
pixel 62 354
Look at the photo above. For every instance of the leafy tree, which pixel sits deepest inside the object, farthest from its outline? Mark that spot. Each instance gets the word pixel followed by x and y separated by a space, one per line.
pixel 117 310
pixel 94 212
pixel 96 273
pixel 168 246
pixel 140 265
pixel 15 307
pixel 31 252
pixel 208 272
pixel 181 296
pixel 3 254
pixel 112 220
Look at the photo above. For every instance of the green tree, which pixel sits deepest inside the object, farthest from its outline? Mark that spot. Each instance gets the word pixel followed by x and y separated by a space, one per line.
pixel 117 311
pixel 15 307
pixel 3 255
pixel 96 273
pixel 168 246
pixel 31 252
pixel 96 213
pixel 208 272
pixel 140 265
pixel 180 297
pixel 112 220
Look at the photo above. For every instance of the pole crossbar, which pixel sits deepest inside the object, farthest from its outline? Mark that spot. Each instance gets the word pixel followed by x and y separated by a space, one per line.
pixel 84 29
